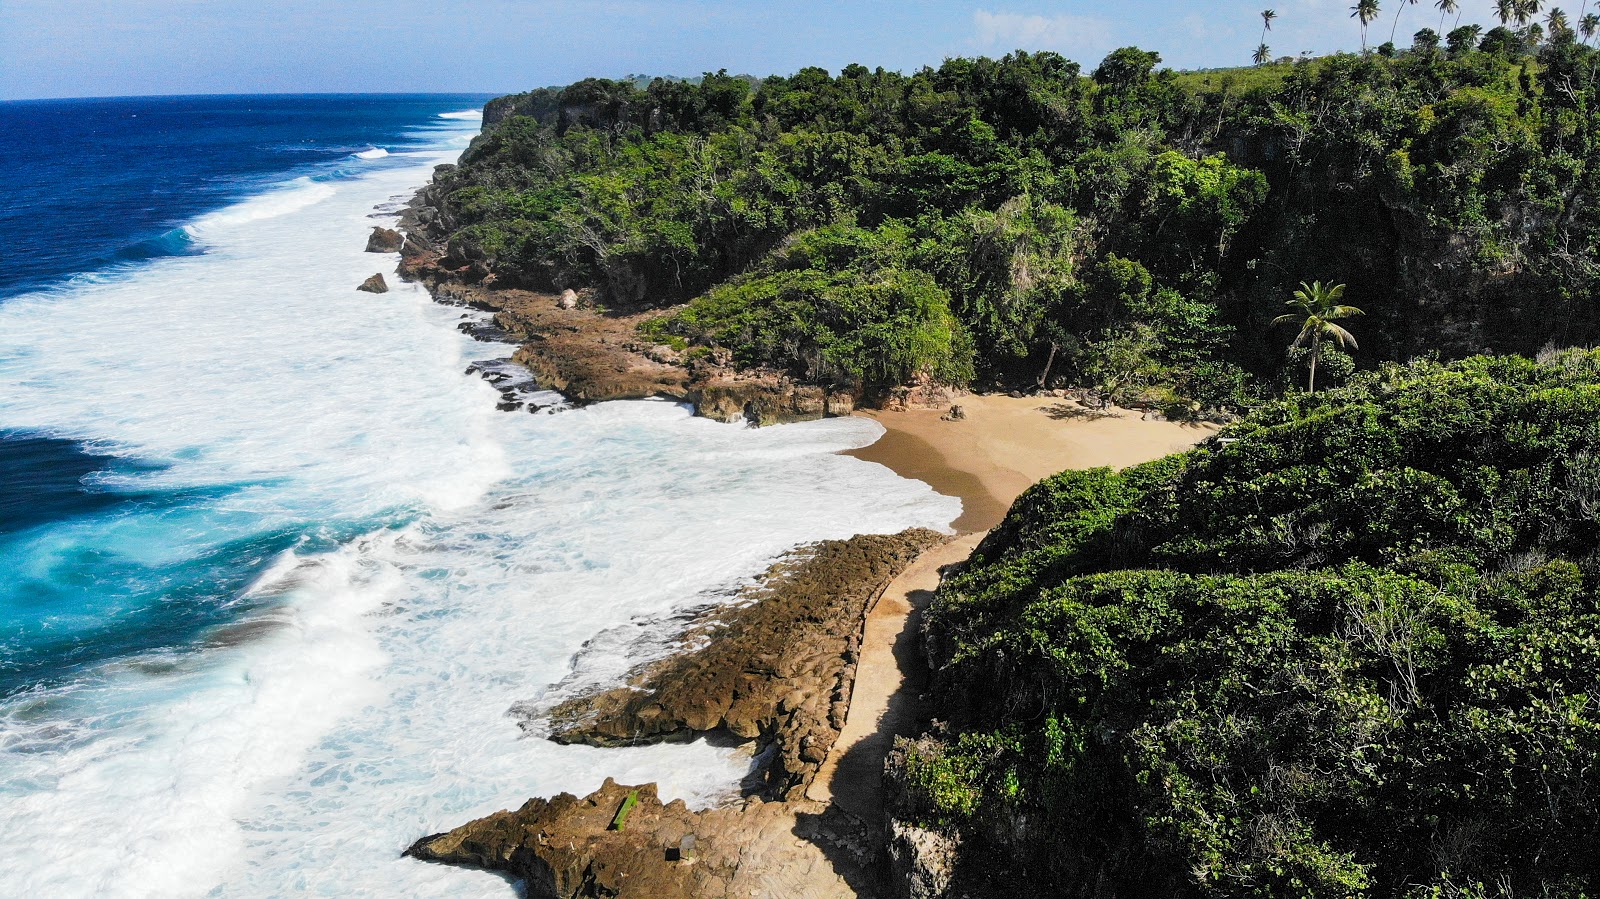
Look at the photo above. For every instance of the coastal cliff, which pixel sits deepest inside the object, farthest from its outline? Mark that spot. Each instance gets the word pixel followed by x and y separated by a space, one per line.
pixel 588 353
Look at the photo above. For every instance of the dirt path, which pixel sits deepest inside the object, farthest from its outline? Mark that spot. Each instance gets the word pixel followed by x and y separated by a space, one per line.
pixel 889 681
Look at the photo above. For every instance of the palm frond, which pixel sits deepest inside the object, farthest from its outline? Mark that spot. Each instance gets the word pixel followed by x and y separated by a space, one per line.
pixel 1288 320
pixel 1342 312
pixel 1341 336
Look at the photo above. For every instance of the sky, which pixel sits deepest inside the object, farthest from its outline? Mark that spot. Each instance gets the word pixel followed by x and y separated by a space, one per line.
pixel 94 48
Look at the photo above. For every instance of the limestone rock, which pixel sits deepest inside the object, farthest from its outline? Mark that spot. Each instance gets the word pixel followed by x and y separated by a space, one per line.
pixel 774 669
pixel 566 848
pixel 375 284
pixel 385 240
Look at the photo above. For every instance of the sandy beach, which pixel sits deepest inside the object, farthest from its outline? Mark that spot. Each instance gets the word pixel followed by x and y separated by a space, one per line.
pixel 1006 444
pixel 1002 447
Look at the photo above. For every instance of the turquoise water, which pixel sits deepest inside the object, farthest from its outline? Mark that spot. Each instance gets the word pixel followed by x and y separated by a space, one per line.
pixel 275 569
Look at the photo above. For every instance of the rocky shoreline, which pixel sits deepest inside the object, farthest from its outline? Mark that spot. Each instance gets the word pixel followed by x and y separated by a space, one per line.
pixel 777 671
pixel 589 353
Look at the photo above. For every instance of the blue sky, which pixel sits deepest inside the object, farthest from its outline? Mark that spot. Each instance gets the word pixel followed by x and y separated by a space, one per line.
pixel 77 48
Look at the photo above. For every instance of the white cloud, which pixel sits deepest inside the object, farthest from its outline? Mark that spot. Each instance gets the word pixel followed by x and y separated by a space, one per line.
pixel 1004 31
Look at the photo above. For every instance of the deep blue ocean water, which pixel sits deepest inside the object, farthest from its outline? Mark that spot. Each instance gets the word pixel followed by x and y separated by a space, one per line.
pixel 101 187
pixel 98 182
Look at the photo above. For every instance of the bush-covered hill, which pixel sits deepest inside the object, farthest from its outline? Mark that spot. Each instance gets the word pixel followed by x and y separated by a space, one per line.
pixel 1129 227
pixel 1350 649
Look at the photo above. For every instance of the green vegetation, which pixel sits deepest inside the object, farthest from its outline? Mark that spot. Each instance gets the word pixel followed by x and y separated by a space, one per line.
pixel 1019 222
pixel 1314 310
pixel 1350 650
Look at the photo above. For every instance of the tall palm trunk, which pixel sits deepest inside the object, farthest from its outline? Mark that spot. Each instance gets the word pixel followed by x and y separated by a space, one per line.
pixel 1316 353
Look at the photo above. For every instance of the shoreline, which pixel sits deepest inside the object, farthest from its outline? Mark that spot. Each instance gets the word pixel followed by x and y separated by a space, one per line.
pixel 826 725
pixel 1007 444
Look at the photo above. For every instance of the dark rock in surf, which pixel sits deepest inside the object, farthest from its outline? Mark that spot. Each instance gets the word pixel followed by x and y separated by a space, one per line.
pixel 375 284
pixel 385 240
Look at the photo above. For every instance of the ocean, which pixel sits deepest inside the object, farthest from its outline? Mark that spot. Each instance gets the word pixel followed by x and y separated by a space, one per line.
pixel 273 568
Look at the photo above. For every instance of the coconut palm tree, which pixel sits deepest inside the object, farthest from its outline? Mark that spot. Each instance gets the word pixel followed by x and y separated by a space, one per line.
pixel 1314 309
pixel 1527 11
pixel 1263 55
pixel 1267 16
pixel 1446 7
pixel 1505 10
pixel 1396 26
pixel 1589 26
pixel 1556 22
pixel 1364 11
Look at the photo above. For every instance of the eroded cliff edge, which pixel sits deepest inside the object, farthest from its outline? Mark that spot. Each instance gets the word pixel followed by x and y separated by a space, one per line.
pixel 589 352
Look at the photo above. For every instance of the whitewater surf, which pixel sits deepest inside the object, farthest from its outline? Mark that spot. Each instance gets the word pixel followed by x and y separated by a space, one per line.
pixel 322 567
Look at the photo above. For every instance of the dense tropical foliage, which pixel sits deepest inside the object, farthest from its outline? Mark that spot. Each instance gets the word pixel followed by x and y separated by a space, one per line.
pixel 1351 649
pixel 995 218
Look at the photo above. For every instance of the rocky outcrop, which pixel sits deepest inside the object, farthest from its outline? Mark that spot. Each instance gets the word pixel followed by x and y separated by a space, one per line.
pixel 385 240
pixel 766 398
pixel 921 860
pixel 375 284
pixel 779 669
pixel 567 848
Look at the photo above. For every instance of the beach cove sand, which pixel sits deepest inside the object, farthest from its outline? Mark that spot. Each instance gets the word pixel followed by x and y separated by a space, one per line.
pixel 1007 444
pixel 1002 447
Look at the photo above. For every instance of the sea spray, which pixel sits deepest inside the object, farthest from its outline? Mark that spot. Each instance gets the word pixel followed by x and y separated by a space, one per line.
pixel 377 564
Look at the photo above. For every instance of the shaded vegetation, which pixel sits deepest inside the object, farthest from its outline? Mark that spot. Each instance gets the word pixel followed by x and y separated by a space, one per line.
pixel 1351 649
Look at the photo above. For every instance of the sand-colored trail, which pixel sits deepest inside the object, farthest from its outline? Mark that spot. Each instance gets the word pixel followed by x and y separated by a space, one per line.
pixel 890 679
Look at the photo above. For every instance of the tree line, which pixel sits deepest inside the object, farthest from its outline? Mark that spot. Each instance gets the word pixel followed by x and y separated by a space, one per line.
pixel 1018 221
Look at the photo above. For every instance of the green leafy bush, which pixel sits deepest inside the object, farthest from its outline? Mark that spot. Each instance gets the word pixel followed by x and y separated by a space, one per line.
pixel 1351 650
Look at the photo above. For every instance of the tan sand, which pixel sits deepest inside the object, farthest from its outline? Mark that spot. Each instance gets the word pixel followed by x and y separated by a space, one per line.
pixel 1006 444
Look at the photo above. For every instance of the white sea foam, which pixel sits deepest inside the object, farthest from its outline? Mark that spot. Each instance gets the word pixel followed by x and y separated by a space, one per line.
pixel 303 760
pixel 463 115
pixel 374 153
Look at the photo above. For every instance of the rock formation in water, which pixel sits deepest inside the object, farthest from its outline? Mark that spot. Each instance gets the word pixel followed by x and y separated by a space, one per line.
pixel 385 240
pixel 779 670
pixel 567 848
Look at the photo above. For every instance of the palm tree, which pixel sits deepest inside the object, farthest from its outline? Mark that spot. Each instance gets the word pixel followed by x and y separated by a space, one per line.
pixel 1396 26
pixel 1557 22
pixel 1446 7
pixel 1267 15
pixel 1315 308
pixel 1365 11
pixel 1589 26
pixel 1526 11
pixel 1263 55
pixel 1506 10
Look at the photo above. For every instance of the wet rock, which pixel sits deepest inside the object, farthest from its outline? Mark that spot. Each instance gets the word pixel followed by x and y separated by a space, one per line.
pixel 774 669
pixel 956 413
pixel 375 284
pixel 385 240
